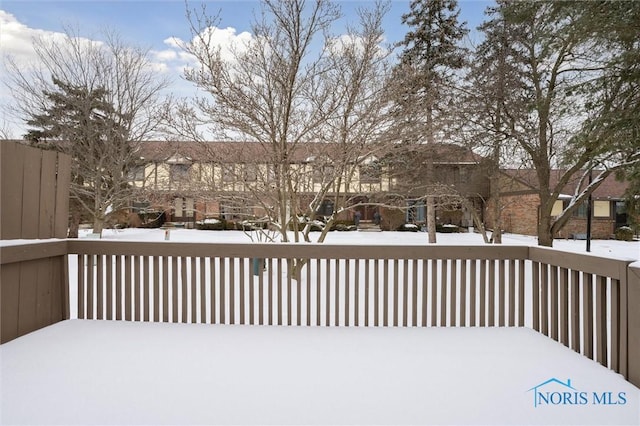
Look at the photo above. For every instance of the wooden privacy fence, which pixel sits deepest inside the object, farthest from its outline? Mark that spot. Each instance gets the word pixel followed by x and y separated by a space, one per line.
pixel 35 192
pixel 581 301
pixel 34 203
pixel 34 287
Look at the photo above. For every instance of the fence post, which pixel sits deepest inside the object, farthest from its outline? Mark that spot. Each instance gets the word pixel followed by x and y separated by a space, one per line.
pixel 633 328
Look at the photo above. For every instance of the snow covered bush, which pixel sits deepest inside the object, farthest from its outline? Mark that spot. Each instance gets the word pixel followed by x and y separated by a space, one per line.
pixel 211 224
pixel 624 233
pixel 448 229
pixel 409 227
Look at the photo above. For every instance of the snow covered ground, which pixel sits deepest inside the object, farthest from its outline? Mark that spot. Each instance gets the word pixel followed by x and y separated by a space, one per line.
pixel 603 248
pixel 108 372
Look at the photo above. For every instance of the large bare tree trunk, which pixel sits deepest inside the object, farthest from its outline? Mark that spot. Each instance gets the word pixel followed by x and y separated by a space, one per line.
pixel 545 236
pixel 494 182
pixel 74 220
pixel 496 235
pixel 431 218
pixel 430 201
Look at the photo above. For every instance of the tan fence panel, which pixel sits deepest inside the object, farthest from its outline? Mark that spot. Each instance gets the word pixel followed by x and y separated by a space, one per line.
pixel 35 192
pixel 31 193
pixel 34 197
pixel 11 162
pixel 33 289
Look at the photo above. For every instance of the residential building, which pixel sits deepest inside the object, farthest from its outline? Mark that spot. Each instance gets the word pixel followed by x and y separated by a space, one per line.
pixel 191 181
pixel 520 205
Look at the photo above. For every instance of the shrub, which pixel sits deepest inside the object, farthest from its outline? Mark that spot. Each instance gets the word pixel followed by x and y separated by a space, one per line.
pixel 152 219
pixel 343 225
pixel 392 219
pixel 212 224
pixel 448 229
pixel 250 225
pixel 408 227
pixel 624 233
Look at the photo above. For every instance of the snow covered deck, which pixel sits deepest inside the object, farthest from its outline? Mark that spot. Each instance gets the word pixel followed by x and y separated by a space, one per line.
pixel 115 372
pixel 386 334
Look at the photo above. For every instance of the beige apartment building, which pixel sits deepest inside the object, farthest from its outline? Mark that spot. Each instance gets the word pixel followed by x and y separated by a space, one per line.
pixel 192 181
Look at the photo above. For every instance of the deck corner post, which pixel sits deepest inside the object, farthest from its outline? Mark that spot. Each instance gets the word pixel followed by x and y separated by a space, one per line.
pixel 633 329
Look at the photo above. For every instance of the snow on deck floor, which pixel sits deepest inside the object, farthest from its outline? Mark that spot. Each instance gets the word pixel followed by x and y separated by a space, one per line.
pixel 108 372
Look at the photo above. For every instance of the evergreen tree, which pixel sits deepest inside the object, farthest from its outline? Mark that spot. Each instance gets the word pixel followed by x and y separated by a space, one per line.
pixel 494 94
pixel 82 123
pixel 96 100
pixel 616 25
pixel 430 58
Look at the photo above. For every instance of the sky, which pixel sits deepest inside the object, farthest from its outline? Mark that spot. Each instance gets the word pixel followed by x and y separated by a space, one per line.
pixel 156 25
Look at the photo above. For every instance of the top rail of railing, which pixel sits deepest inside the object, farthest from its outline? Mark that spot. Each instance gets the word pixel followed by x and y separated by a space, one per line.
pixel 297 250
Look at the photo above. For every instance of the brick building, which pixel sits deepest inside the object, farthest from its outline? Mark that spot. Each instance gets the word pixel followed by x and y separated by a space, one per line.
pixel 520 205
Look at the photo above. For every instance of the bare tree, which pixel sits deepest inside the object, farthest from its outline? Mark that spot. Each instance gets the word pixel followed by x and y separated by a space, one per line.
pixel 308 105
pixel 358 121
pixel 113 94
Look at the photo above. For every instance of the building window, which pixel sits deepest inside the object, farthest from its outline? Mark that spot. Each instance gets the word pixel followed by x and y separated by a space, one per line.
pixel 558 207
pixel 136 173
pixel 233 209
pixel 322 173
pixel 250 172
pixel 581 211
pixel 370 173
pixel 621 214
pixel 179 172
pixel 228 173
pixel 601 209
pixel 271 173
pixel 464 174
pixel 416 211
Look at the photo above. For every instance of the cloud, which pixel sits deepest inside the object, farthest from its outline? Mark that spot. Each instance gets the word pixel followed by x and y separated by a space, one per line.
pixel 349 43
pixel 165 55
pixel 174 42
pixel 16 38
pixel 176 58
pixel 225 39
pixel 16 41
